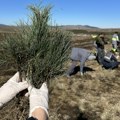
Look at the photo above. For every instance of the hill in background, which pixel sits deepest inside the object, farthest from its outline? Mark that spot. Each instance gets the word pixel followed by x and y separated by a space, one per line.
pixel 78 27
pixel 73 28
pixel 7 28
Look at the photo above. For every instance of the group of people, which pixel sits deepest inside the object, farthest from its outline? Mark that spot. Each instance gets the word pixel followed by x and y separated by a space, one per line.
pixel 107 59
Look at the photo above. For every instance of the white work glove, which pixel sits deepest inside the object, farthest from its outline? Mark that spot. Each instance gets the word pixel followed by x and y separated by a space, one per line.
pixel 81 73
pixel 38 98
pixel 11 88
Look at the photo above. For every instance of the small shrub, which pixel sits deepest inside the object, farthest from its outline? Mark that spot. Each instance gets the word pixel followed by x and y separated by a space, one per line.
pixel 37 49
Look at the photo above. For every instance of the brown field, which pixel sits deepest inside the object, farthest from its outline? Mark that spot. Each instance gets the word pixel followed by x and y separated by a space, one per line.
pixel 94 96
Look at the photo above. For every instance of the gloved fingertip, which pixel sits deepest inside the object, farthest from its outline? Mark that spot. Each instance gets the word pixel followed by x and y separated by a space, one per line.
pixel 44 87
pixel 26 84
pixel 15 78
pixel 23 85
pixel 29 88
pixel 44 84
pixel 17 74
pixel 27 94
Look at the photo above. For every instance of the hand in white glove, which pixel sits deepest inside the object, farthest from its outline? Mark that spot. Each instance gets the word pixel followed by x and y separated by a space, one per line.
pixel 81 73
pixel 11 88
pixel 38 100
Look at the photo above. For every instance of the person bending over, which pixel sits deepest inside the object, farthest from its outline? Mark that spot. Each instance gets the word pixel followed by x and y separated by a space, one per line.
pixel 81 55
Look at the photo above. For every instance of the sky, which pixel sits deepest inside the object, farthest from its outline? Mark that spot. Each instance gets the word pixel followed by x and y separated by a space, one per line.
pixel 97 13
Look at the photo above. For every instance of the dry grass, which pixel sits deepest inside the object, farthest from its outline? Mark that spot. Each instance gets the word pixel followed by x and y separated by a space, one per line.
pixel 95 96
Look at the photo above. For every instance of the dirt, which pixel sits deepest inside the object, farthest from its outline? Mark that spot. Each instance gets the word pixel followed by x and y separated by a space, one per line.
pixel 94 96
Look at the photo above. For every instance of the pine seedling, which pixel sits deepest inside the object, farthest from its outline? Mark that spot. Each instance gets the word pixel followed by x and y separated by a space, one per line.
pixel 37 49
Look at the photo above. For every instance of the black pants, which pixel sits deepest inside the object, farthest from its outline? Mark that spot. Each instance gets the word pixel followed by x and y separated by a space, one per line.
pixel 110 65
pixel 100 55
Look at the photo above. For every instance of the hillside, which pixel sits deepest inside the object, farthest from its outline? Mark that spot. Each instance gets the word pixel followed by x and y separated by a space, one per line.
pixel 83 27
pixel 73 28
pixel 7 29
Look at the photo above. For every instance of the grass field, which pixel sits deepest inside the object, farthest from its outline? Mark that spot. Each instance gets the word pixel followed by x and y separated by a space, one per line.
pixel 94 96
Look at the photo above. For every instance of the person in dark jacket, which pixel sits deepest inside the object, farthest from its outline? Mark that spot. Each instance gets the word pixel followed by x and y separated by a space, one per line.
pixel 81 55
pixel 110 61
pixel 100 48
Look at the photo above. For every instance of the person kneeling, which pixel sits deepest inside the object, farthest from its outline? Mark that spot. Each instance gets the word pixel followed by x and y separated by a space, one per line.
pixel 110 61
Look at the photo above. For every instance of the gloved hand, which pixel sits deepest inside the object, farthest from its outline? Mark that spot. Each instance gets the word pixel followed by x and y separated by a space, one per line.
pixel 11 88
pixel 81 73
pixel 117 56
pixel 38 98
